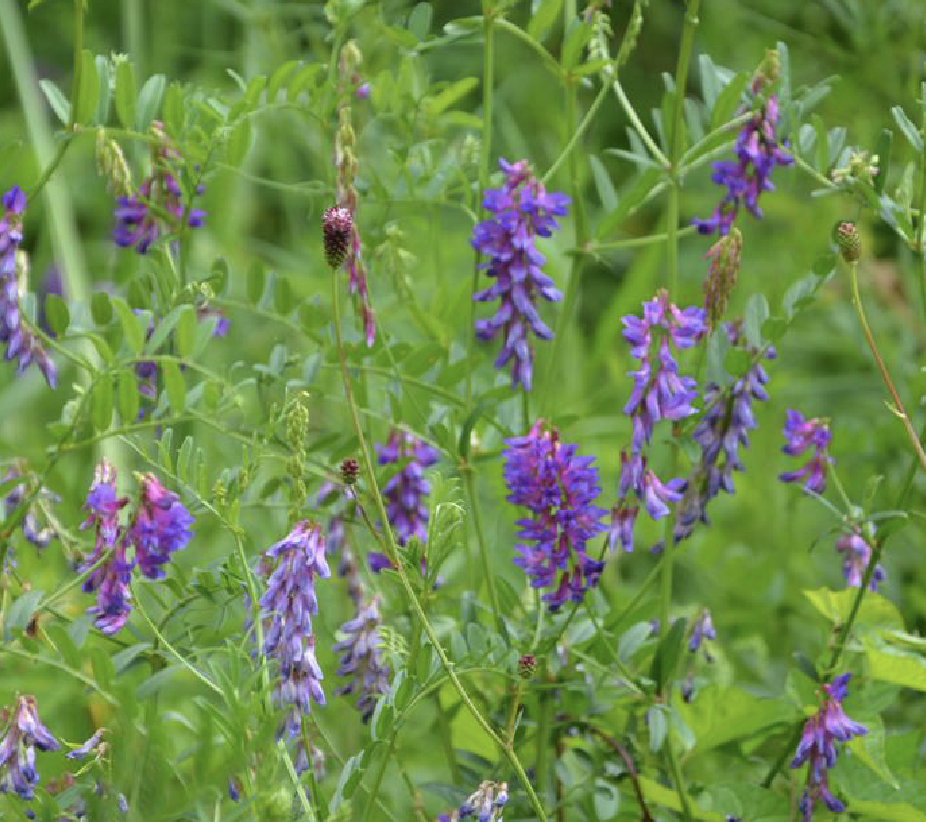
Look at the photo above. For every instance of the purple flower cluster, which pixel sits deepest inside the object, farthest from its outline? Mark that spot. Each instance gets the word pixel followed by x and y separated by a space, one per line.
pixel 749 175
pixel 818 746
pixel 38 536
pixel 659 393
pixel 802 434
pixel 559 489
pixel 361 661
pixel 521 211
pixel 724 428
pixel 287 608
pixel 856 555
pixel 21 343
pixel 140 218
pixel 23 733
pixel 159 526
pixel 486 802
pixel 406 493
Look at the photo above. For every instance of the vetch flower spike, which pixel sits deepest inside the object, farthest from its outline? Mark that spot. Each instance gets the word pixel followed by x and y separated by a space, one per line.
pixel 23 733
pixel 802 434
pixel 361 661
pixel 406 493
pixel 818 747
pixel 522 210
pixel 559 489
pixel 161 526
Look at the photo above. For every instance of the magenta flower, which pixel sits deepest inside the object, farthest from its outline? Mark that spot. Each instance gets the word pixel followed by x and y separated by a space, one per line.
pixel 856 555
pixel 818 746
pixel 802 434
pixel 161 526
pixel 522 210
pixel 758 153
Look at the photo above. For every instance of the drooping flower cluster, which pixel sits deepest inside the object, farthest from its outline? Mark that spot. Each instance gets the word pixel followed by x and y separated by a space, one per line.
pixel 802 434
pixel 406 493
pixel 856 555
pixel 745 179
pixel 559 489
pixel 38 536
pixel 361 661
pixel 659 393
pixel 23 733
pixel 818 747
pixel 159 526
pixel 720 434
pixel 703 629
pixel 521 211
pixel 287 608
pixel 158 206
pixel 486 803
pixel 21 343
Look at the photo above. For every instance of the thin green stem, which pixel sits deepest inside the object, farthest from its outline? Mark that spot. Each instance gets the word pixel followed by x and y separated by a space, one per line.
pixel 577 135
pixel 544 720
pixel 921 217
pixel 636 242
pixel 483 548
pixel 446 735
pixel 488 81
pixel 898 409
pixel 78 59
pixel 677 778
pixel 638 126
pixel 63 145
pixel 392 553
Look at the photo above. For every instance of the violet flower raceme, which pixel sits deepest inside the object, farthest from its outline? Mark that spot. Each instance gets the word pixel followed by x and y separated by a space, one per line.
pixel 406 493
pixel 287 607
pixel 161 526
pixel 758 153
pixel 21 343
pixel 361 661
pixel 818 746
pixel 38 536
pixel 559 489
pixel 856 555
pixel 111 579
pixel 23 733
pixel 522 210
pixel 801 434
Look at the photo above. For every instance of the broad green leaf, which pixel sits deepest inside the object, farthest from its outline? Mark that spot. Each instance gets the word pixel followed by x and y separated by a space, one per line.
pixel 126 93
pixel 56 311
pixel 419 21
pixel 149 100
pixel 131 324
pixel 876 611
pixel 185 335
pixel 175 385
pixel 543 19
pixel 257 282
pixel 101 310
pixel 439 103
pixel 239 142
pixel 128 397
pixel 56 99
pixel 21 611
pixel 910 131
pixel 656 722
pixel 280 75
pixel 88 94
pixel 870 748
pixel 576 39
pixel 164 327
pixel 105 94
pixel 899 667
pixel 101 403
pixel 728 100
pixel 667 653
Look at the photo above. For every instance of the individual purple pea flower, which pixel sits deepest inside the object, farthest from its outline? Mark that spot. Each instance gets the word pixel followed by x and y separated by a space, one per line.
pixel 234 789
pixel 21 343
pixel 745 179
pixel 23 733
pixel 856 555
pixel 122 802
pixel 38 536
pixel 84 750
pixel 161 527
pixel 818 747
pixel 521 211
pixel 363 91
pixel 703 629
pixel 361 661
pixel 110 580
pixel 486 802
pixel 559 489
pixel 406 493
pixel 802 434
pixel 287 607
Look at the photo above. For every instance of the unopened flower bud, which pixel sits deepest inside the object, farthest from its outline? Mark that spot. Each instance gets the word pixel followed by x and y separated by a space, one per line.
pixel 527 664
pixel 848 241
pixel 350 470
pixel 112 165
pixel 337 224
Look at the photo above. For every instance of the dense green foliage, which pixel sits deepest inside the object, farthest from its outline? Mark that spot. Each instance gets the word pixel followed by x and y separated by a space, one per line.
pixel 248 91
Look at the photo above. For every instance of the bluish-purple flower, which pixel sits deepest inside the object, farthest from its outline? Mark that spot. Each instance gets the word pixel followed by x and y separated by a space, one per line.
pixel 559 489
pixel 21 343
pixel 38 535
pixel 802 434
pixel 521 211
pixel 856 555
pixel 818 747
pixel 90 745
pixel 406 493
pixel 23 733
pixel 361 662
pixel 745 179
pixel 287 608
pixel 161 526
pixel 703 629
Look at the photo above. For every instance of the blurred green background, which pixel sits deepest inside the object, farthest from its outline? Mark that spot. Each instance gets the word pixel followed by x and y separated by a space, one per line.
pixel 768 542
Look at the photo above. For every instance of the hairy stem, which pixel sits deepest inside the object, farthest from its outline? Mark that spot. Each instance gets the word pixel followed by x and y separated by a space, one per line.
pixel 483 548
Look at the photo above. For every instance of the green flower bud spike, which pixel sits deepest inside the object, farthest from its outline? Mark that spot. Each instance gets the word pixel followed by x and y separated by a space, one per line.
pixel 849 242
